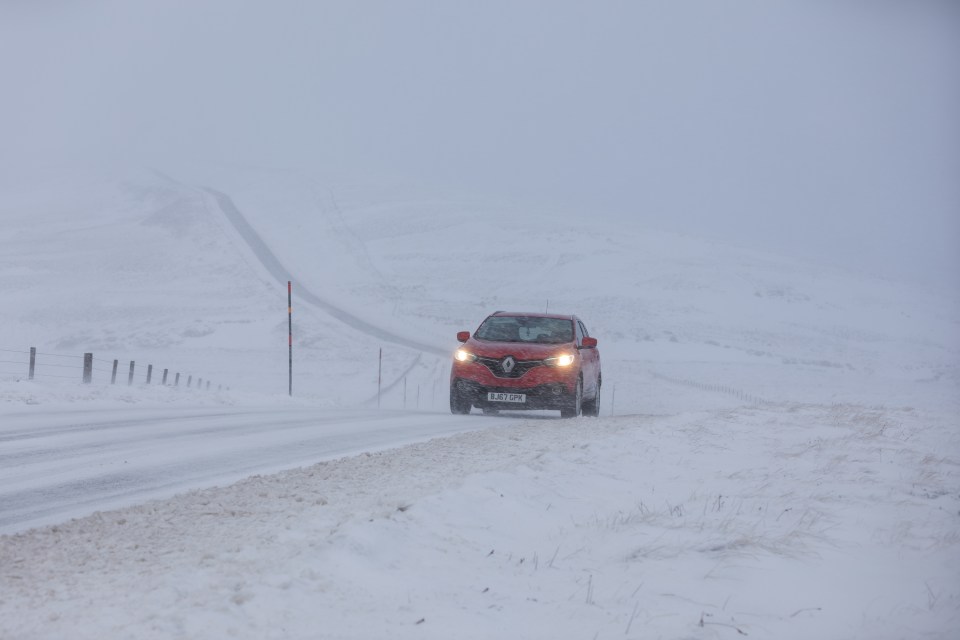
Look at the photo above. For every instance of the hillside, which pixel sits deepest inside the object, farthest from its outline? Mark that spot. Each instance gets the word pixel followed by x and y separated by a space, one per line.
pixel 776 455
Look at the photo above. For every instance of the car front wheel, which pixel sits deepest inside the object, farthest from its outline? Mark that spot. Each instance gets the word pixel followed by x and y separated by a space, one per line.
pixel 458 404
pixel 592 407
pixel 574 403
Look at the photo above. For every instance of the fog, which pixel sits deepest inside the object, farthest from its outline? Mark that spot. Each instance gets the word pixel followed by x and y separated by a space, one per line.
pixel 825 130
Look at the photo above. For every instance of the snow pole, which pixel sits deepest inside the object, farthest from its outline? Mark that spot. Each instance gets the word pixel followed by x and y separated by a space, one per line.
pixel 290 335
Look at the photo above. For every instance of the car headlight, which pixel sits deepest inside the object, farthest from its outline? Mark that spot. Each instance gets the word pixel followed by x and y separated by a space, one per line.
pixel 464 356
pixel 562 360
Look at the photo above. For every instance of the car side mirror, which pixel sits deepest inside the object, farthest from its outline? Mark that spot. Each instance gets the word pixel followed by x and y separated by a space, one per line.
pixel 463 336
pixel 588 343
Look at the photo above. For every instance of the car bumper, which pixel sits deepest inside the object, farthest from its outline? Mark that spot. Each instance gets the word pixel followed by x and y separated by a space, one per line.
pixel 551 395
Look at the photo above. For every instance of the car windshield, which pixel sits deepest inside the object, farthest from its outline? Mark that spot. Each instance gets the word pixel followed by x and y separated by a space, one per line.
pixel 526 329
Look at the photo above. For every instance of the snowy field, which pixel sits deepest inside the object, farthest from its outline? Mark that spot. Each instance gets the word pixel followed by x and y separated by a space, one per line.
pixel 778 452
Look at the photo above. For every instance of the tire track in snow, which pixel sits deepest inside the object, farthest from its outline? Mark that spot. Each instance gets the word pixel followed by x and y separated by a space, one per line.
pixel 276 269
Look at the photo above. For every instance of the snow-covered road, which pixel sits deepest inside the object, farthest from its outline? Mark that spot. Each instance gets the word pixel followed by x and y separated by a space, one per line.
pixel 58 465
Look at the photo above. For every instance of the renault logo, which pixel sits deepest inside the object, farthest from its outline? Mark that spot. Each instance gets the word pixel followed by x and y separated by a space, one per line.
pixel 508 364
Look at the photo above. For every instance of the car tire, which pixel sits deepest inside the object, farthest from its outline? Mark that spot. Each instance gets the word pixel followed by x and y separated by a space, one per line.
pixel 458 404
pixel 592 407
pixel 574 402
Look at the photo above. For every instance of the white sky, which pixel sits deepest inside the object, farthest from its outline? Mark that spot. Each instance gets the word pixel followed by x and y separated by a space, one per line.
pixel 825 129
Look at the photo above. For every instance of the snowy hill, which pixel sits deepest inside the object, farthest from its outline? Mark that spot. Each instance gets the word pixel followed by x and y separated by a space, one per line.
pixel 155 269
pixel 777 451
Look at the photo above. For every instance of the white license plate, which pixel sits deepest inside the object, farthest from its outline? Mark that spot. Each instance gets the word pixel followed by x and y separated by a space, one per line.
pixel 494 396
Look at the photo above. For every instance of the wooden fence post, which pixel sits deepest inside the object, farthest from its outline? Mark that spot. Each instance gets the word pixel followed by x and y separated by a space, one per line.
pixel 149 372
pixel 113 376
pixel 164 383
pixel 130 377
pixel 189 380
pixel 87 368
pixel 176 380
pixel 33 360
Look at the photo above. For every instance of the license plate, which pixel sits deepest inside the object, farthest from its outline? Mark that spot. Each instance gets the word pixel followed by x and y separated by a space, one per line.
pixel 494 396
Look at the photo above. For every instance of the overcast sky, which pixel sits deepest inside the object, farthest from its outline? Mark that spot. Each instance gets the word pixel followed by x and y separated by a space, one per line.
pixel 826 129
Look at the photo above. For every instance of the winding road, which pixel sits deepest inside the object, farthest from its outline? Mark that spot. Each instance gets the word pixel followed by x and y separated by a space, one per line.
pixel 276 269
pixel 59 464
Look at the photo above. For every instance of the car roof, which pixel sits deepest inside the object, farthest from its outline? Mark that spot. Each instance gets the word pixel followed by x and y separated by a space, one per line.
pixel 535 314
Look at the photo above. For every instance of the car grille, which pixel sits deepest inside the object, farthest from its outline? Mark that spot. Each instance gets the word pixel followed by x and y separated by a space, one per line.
pixel 519 369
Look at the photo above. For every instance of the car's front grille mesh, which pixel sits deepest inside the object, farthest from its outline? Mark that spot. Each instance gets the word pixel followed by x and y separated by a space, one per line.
pixel 519 369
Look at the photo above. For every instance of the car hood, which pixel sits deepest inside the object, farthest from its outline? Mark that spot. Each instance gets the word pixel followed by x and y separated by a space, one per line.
pixel 519 350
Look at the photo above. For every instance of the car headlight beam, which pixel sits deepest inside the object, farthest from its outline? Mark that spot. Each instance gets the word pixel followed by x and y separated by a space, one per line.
pixel 562 360
pixel 463 355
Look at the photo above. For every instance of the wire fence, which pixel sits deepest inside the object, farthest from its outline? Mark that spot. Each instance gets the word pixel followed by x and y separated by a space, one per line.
pixel 19 364
pixel 715 388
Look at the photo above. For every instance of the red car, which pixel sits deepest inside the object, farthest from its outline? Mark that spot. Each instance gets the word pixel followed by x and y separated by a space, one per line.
pixel 527 361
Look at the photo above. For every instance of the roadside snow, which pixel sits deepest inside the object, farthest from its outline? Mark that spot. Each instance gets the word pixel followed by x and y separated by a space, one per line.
pixel 793 521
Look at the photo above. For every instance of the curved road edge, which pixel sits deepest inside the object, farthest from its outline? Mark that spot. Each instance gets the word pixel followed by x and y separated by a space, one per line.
pixel 282 275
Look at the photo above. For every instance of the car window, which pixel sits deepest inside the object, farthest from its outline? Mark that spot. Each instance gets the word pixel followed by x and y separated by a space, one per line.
pixel 525 329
